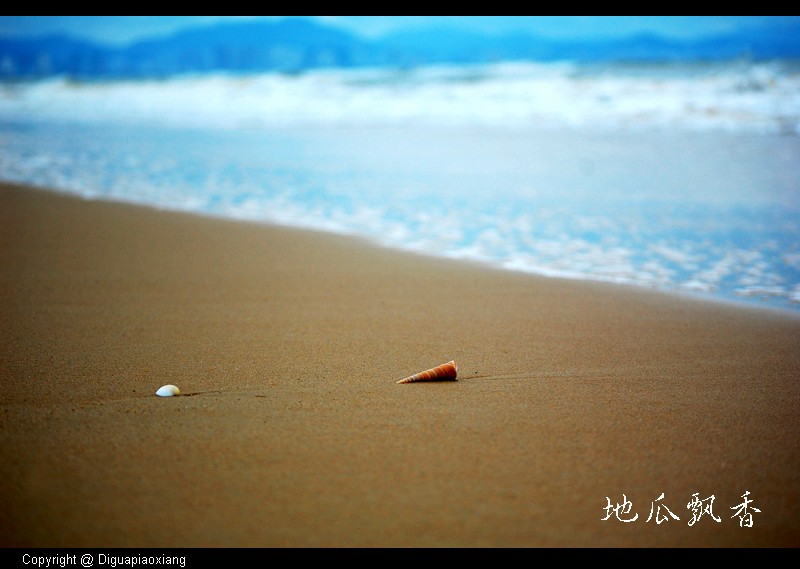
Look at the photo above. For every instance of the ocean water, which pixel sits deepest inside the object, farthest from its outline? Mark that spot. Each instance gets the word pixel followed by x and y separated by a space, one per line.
pixel 677 177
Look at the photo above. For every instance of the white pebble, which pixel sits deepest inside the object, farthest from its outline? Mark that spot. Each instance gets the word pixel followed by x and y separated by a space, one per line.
pixel 168 391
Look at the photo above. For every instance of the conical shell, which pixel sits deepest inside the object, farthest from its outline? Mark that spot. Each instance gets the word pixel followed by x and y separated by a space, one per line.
pixel 441 372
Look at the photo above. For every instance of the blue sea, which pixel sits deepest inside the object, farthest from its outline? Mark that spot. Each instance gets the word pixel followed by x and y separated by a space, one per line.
pixel 679 177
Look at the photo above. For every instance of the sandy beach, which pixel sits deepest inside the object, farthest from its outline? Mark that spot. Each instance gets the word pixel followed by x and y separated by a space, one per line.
pixel 576 407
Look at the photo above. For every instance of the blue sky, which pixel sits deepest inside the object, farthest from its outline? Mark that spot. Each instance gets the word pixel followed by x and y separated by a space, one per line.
pixel 120 30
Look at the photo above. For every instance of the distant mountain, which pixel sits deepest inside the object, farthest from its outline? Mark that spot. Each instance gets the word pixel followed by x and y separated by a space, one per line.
pixel 292 44
pixel 287 45
pixel 454 46
pixel 55 54
pixel 298 44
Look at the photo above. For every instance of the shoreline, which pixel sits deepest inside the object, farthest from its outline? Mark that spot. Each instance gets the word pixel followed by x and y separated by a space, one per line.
pixel 287 344
pixel 373 242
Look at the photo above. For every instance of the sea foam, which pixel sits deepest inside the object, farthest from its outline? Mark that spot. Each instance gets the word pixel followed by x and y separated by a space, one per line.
pixel 674 177
pixel 762 97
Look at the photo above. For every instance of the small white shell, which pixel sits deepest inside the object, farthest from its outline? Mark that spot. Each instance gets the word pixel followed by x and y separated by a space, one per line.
pixel 168 391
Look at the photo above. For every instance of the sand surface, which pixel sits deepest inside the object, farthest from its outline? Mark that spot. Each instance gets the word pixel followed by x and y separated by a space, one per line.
pixel 292 432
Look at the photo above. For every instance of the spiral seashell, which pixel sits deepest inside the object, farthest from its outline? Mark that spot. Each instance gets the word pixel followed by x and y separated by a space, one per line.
pixel 167 391
pixel 447 371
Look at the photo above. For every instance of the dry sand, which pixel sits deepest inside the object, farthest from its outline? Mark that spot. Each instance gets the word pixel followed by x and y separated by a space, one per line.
pixel 293 433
